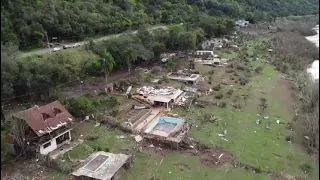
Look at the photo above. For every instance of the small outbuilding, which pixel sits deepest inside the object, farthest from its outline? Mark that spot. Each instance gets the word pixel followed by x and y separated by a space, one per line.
pixel 103 166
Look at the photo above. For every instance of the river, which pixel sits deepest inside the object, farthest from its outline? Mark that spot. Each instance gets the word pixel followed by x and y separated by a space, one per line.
pixel 314 67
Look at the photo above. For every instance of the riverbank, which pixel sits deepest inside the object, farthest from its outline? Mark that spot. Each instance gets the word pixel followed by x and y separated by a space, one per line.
pixel 314 67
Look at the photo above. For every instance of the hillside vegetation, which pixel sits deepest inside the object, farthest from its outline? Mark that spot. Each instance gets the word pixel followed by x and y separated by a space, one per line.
pixel 26 22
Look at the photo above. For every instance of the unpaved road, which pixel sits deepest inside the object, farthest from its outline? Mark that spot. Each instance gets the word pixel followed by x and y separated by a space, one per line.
pixel 47 50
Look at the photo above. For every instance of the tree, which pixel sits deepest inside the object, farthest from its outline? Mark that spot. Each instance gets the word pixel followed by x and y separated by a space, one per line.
pixel 130 57
pixel 107 64
pixel 263 104
pixel 158 48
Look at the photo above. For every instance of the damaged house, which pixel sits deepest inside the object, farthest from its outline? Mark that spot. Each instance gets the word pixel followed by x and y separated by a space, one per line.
pixel 191 79
pixel 166 96
pixel 42 129
pixel 215 43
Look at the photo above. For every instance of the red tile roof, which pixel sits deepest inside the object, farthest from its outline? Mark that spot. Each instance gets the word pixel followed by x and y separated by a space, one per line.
pixel 34 117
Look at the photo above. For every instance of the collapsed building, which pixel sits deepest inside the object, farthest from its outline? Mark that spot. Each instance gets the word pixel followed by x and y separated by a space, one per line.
pixel 103 166
pixel 42 129
pixel 191 79
pixel 166 96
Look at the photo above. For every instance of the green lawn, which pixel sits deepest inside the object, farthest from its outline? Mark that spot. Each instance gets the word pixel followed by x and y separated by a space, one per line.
pixel 251 144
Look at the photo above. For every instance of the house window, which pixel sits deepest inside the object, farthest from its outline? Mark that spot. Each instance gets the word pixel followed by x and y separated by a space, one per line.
pixel 46 145
pixel 63 138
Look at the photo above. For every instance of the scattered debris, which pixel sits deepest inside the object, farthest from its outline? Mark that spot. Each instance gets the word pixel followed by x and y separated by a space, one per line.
pixel 278 121
pixel 87 118
pixel 268 127
pixel 306 137
pixel 255 131
pixel 221 135
pixel 139 107
pixel 155 80
pixel 138 138
pixel 129 89
pixel 120 136
pixel 258 121
pixel 151 145
pixel 225 139
pixel 266 117
pixel 258 115
pixel 97 124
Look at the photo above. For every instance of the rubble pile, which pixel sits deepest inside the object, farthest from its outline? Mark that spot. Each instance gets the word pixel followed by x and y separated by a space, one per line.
pixel 149 90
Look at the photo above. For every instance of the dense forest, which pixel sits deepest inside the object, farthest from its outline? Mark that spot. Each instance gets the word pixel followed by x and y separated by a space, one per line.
pixel 26 22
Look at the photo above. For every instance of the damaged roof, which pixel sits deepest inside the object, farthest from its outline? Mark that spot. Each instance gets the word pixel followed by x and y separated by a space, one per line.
pixel 45 119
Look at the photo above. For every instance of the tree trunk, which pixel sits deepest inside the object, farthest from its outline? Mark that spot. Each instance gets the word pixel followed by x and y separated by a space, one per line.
pixel 106 76
pixel 129 67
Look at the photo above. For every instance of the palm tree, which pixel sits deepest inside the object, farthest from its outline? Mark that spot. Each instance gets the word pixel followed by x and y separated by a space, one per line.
pixel 130 57
pixel 107 64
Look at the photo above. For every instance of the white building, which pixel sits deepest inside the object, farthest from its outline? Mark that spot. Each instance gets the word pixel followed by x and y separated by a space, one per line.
pixel 242 23
pixel 47 127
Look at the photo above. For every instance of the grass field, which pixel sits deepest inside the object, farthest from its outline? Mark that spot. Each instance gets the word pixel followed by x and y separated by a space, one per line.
pixel 251 144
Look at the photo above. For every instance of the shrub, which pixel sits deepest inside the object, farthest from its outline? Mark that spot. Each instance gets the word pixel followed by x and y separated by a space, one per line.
pixel 210 79
pixel 165 79
pixel 133 81
pixel 241 67
pixel 217 87
pixel 156 69
pixel 211 72
pixel 230 91
pixel 80 106
pixel 258 69
pixel 288 138
pixel 114 113
pixel 219 96
pixel 110 101
pixel 229 71
pixel 148 77
pixel 222 104
pixel 243 81
pixel 306 168
pixel 124 82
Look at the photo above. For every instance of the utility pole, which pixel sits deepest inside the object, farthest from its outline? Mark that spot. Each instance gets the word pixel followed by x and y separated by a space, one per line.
pixel 48 43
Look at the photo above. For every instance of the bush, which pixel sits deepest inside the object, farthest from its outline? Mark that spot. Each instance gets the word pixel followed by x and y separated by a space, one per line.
pixel 222 104
pixel 230 92
pixel 124 82
pixel 258 69
pixel 110 101
pixel 289 138
pixel 219 96
pixel 211 72
pixel 155 69
pixel 165 79
pixel 306 168
pixel 80 106
pixel 243 81
pixel 148 77
pixel 217 87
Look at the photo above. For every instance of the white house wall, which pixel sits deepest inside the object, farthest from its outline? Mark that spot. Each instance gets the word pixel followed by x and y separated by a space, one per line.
pixel 53 146
pixel 50 148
